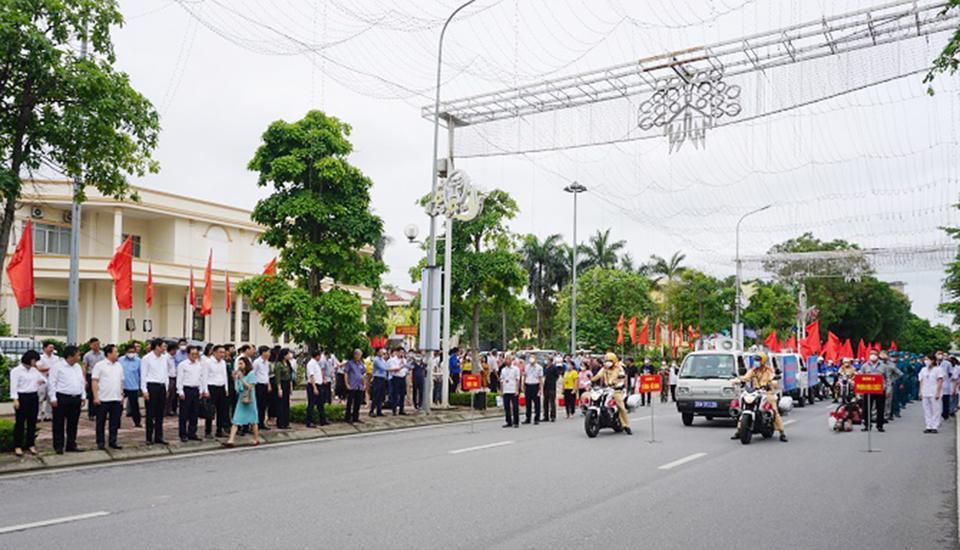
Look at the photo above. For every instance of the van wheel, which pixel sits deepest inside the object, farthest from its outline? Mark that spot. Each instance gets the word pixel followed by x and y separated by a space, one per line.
pixel 709 418
pixel 687 418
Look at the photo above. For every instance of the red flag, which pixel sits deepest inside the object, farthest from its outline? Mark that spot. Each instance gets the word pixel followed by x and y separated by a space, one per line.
pixel 270 268
pixel 229 298
pixel 832 350
pixel 20 269
pixel 632 325
pixel 861 350
pixel 644 338
pixel 121 269
pixel 791 343
pixel 620 330
pixel 813 337
pixel 656 332
pixel 193 294
pixel 150 286
pixel 771 342
pixel 893 345
pixel 691 333
pixel 847 349
pixel 206 308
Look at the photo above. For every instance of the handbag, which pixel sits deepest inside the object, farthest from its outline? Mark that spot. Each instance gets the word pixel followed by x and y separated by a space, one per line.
pixel 247 395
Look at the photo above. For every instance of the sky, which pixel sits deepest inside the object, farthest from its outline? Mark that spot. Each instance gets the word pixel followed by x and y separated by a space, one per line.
pixel 872 166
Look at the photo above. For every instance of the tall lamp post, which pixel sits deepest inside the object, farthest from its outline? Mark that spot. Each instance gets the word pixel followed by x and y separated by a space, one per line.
pixel 430 331
pixel 574 188
pixel 738 330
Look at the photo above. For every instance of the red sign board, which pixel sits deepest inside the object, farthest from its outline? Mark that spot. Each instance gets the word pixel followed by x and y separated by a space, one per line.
pixel 868 384
pixel 650 383
pixel 470 382
pixel 406 330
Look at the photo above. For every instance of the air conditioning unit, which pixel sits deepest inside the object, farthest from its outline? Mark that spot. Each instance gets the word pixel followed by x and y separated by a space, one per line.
pixel 67 216
pixel 36 212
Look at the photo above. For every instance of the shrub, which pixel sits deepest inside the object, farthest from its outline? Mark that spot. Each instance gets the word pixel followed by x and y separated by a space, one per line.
pixel 463 399
pixel 6 435
pixel 5 365
pixel 334 412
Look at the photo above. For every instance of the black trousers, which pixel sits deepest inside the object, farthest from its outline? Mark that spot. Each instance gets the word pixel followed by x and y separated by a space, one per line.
pixel 326 393
pixel 646 398
pixel 673 392
pixel 354 398
pixel 273 400
pixel 877 402
pixel 550 402
pixel 315 400
pixel 172 397
pixel 531 392
pixel 112 410
pixel 377 392
pixel 570 401
pixel 91 408
pixel 283 405
pixel 454 382
pixel 154 413
pixel 511 408
pixel 66 415
pixel 25 427
pixel 221 408
pixel 398 393
pixel 133 405
pixel 418 383
pixel 260 390
pixel 945 414
pixel 189 412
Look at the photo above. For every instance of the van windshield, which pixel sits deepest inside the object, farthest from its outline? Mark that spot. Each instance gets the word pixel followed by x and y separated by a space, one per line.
pixel 709 366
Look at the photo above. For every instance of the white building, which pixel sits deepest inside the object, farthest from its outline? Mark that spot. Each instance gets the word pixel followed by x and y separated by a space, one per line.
pixel 171 233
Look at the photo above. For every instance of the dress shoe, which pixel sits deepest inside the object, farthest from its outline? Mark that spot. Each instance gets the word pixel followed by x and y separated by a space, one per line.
pixel 783 438
pixel 628 431
pixel 116 447
pixel 161 442
pixel 58 451
pixel 508 425
pixel 183 440
pixel 101 448
pixel 194 438
pixel 881 430
pixel 74 450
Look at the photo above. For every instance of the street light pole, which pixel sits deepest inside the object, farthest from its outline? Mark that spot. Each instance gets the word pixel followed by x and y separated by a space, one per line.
pixel 738 330
pixel 73 282
pixel 429 327
pixel 575 188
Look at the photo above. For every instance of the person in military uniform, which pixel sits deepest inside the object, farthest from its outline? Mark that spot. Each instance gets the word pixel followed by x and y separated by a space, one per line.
pixel 613 376
pixel 762 376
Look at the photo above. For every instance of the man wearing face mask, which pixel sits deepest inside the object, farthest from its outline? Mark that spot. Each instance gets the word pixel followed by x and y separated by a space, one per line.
pixel 931 390
pixel 947 367
pixel 878 402
pixel 131 383
pixel 613 376
pixel 891 375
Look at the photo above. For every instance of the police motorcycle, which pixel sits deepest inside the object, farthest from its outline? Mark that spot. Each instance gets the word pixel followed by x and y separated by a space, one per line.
pixel 754 412
pixel 848 413
pixel 600 410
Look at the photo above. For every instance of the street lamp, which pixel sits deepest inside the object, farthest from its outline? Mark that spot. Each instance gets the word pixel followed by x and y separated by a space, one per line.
pixel 432 248
pixel 738 330
pixel 575 188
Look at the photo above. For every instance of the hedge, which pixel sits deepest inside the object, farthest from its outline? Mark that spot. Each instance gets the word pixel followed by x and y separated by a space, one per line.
pixel 6 435
pixel 5 365
pixel 334 412
pixel 463 399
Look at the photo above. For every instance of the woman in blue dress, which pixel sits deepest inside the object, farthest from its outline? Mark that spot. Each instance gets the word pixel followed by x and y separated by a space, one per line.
pixel 245 413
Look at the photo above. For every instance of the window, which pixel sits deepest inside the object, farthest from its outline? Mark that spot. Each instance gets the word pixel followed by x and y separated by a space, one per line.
pixel 51 239
pixel 199 325
pixel 233 322
pixel 136 244
pixel 245 323
pixel 45 317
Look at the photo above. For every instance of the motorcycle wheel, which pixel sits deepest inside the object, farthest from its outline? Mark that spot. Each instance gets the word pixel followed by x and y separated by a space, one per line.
pixel 746 435
pixel 802 401
pixel 687 419
pixel 591 423
pixel 767 433
pixel 618 428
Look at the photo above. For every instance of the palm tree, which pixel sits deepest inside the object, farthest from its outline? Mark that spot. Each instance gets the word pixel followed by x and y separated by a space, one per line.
pixel 547 265
pixel 600 252
pixel 667 268
pixel 626 263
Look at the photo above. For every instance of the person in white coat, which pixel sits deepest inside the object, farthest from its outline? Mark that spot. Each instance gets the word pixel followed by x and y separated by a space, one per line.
pixel 931 391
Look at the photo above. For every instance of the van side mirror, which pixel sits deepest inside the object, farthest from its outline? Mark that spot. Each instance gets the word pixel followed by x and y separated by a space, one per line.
pixel 742 370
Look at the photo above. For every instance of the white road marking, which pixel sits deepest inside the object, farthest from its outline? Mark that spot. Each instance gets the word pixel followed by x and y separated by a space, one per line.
pixel 791 421
pixel 48 522
pixel 682 461
pixel 481 447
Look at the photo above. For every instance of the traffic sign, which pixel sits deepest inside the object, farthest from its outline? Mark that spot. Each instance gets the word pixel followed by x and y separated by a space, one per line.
pixel 471 382
pixel 650 383
pixel 406 330
pixel 868 384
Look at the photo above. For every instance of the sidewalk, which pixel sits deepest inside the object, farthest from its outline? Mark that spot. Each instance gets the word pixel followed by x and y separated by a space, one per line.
pixel 132 439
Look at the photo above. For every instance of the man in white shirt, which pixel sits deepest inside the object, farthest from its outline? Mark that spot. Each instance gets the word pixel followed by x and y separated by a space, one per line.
pixel 191 386
pixel 328 364
pixel 48 360
pixel 931 378
pixel 532 388
pixel 261 371
pixel 397 368
pixel 67 387
pixel 172 400
pixel 215 369
pixel 153 385
pixel 509 384
pixel 107 380
pixel 315 380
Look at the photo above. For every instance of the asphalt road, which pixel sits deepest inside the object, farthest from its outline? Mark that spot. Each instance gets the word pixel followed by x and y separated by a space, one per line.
pixel 546 486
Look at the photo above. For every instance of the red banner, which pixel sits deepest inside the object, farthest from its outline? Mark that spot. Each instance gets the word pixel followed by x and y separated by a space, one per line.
pixel 868 384
pixel 650 383
pixel 470 382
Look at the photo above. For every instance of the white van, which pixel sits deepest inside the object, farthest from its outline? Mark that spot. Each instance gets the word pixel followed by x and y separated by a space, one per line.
pixel 707 383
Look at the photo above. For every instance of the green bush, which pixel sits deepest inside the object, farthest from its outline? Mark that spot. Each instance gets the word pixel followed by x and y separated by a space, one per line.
pixel 334 412
pixel 463 399
pixel 5 365
pixel 6 435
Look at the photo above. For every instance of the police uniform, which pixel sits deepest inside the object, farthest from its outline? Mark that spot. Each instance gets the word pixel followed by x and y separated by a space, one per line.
pixel 615 377
pixel 763 376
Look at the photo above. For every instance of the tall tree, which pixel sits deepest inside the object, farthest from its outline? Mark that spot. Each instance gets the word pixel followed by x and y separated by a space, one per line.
pixel 951 285
pixel 547 273
pixel 75 115
pixel 661 267
pixel 318 216
pixel 699 299
pixel 600 251
pixel 949 59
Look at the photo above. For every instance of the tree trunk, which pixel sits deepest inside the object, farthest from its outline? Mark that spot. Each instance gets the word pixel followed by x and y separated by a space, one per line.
pixel 503 321
pixel 539 334
pixel 6 228
pixel 475 337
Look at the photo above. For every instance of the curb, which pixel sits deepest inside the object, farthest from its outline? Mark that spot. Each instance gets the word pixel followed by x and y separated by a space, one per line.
pixel 54 462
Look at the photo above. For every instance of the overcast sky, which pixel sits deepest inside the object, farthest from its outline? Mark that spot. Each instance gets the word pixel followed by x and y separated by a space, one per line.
pixel 875 166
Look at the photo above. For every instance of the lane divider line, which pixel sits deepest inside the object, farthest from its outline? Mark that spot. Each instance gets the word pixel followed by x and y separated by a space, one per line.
pixel 480 447
pixel 682 461
pixel 48 522
pixel 791 421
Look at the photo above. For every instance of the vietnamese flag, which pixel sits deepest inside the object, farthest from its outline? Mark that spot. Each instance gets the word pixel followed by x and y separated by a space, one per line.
pixel 644 338
pixel 813 337
pixel 791 343
pixel 620 331
pixel 206 307
pixel 656 332
pixel 832 350
pixel 847 349
pixel 193 294
pixel 632 325
pixel 861 350
pixel 20 269
pixel 771 342
pixel 121 269
pixel 893 345
pixel 150 286
pixel 227 275
pixel 691 334
pixel 270 268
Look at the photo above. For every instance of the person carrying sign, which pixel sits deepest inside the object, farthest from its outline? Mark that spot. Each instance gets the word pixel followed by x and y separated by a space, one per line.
pixel 878 401
pixel 762 376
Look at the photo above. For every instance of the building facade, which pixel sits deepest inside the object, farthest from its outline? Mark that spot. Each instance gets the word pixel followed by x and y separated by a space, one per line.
pixel 172 234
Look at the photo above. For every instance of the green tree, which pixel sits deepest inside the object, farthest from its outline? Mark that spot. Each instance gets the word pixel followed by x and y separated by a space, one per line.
pixel 949 58
pixel 660 267
pixel 600 251
pixel 951 285
pixel 602 296
pixel 547 273
pixel 919 336
pixel 318 216
pixel 699 299
pixel 772 307
pixel 75 115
